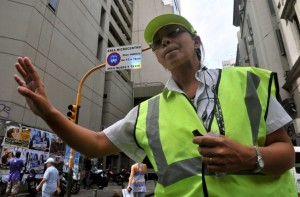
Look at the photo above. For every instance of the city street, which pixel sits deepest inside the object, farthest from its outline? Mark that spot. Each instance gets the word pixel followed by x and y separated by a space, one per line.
pixel 112 190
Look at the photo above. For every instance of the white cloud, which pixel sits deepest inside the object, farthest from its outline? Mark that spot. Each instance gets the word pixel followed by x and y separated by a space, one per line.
pixel 213 21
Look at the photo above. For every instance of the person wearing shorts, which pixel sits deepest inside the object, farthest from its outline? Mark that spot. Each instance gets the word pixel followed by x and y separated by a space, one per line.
pixel 15 166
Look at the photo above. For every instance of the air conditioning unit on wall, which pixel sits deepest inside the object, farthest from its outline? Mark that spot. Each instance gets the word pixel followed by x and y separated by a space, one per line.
pixel 296 122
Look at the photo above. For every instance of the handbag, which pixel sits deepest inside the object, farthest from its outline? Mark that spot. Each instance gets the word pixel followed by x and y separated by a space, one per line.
pixel 127 193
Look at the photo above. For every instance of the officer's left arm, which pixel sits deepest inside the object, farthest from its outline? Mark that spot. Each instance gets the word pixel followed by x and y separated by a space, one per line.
pixel 222 154
pixel 278 153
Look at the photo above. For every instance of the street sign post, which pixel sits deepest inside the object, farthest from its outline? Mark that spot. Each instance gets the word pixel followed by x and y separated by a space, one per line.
pixel 135 52
pixel 124 57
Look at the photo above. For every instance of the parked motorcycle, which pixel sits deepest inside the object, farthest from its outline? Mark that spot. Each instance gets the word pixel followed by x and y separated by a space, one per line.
pixel 97 177
pixel 115 177
pixel 125 175
pixel 32 182
pixel 63 178
pixel 75 185
pixel 3 186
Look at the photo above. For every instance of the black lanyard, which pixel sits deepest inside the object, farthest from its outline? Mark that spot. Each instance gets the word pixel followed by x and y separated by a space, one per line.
pixel 219 115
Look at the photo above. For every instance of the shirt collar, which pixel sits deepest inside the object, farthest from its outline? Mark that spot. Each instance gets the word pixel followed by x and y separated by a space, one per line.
pixel 203 76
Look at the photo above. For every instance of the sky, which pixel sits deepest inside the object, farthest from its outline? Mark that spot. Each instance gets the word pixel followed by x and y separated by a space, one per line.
pixel 213 21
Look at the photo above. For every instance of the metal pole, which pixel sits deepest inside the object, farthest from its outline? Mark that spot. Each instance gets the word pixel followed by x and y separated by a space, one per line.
pixel 95 193
pixel 72 152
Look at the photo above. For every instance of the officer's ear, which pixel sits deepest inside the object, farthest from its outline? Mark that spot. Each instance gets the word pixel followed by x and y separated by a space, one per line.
pixel 197 41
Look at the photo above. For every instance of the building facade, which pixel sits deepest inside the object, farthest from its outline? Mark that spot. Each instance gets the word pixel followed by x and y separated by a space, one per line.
pixel 288 14
pixel 65 39
pixel 228 63
pixel 268 40
pixel 152 77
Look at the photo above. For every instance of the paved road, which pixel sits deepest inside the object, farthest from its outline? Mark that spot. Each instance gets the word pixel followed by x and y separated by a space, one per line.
pixel 113 190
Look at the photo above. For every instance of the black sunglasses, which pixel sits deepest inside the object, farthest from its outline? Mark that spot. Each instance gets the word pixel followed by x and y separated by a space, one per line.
pixel 169 31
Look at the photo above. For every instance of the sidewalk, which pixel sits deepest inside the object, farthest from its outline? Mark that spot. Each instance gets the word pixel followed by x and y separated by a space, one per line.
pixel 113 190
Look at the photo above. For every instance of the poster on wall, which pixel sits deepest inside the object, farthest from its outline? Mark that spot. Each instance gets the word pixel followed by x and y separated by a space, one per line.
pixel 67 158
pixel 35 145
pixel 7 153
pixel 39 140
pixel 57 151
pixel 57 146
pixel 35 160
pixel 17 135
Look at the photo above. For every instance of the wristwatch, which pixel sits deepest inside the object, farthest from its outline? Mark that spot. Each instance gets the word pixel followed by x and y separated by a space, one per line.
pixel 259 160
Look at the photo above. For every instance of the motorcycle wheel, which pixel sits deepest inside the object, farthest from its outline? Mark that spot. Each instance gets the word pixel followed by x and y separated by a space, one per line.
pixel 119 180
pixel 100 184
pixel 75 188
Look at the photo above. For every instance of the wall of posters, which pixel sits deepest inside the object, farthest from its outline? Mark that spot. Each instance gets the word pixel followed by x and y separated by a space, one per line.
pixel 35 145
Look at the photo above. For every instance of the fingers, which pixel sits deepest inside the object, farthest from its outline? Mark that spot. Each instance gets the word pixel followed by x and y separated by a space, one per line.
pixel 211 160
pixel 207 141
pixel 28 65
pixel 25 64
pixel 20 81
pixel 19 66
pixel 26 92
pixel 27 70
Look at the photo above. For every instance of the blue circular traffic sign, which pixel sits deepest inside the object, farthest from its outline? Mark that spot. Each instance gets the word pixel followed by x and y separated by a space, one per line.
pixel 113 59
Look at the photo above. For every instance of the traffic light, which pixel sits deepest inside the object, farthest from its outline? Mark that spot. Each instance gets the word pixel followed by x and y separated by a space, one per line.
pixel 73 113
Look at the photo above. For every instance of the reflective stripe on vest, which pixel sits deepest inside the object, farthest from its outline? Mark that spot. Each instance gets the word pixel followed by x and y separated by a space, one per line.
pixel 174 171
pixel 160 115
pixel 253 105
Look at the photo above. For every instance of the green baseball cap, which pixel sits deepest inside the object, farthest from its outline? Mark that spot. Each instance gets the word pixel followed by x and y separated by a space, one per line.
pixel 163 20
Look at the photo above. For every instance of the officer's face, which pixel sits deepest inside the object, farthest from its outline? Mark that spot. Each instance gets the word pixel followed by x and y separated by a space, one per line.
pixel 175 46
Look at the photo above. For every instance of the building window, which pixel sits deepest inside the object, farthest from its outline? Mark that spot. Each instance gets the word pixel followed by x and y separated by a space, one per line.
pixel 271 7
pixel 53 4
pixel 246 59
pixel 280 42
pixel 255 59
pixel 246 46
pixel 115 35
pixel 296 24
pixel 102 19
pixel 249 25
pixel 110 44
pixel 99 47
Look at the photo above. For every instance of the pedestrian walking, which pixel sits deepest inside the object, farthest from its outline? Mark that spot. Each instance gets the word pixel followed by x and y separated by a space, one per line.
pixel 137 182
pixel 88 168
pixel 50 182
pixel 15 166
pixel 240 148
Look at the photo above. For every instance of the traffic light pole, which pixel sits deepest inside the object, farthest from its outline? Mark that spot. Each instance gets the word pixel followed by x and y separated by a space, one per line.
pixel 77 104
pixel 75 120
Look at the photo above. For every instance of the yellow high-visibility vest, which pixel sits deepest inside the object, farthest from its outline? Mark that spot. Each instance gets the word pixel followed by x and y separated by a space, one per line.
pixel 164 130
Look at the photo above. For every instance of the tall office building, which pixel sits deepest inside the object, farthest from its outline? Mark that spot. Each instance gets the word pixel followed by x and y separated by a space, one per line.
pixel 151 78
pixel 65 39
pixel 269 38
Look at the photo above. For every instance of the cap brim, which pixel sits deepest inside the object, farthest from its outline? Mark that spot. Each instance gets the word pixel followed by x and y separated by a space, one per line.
pixel 163 20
